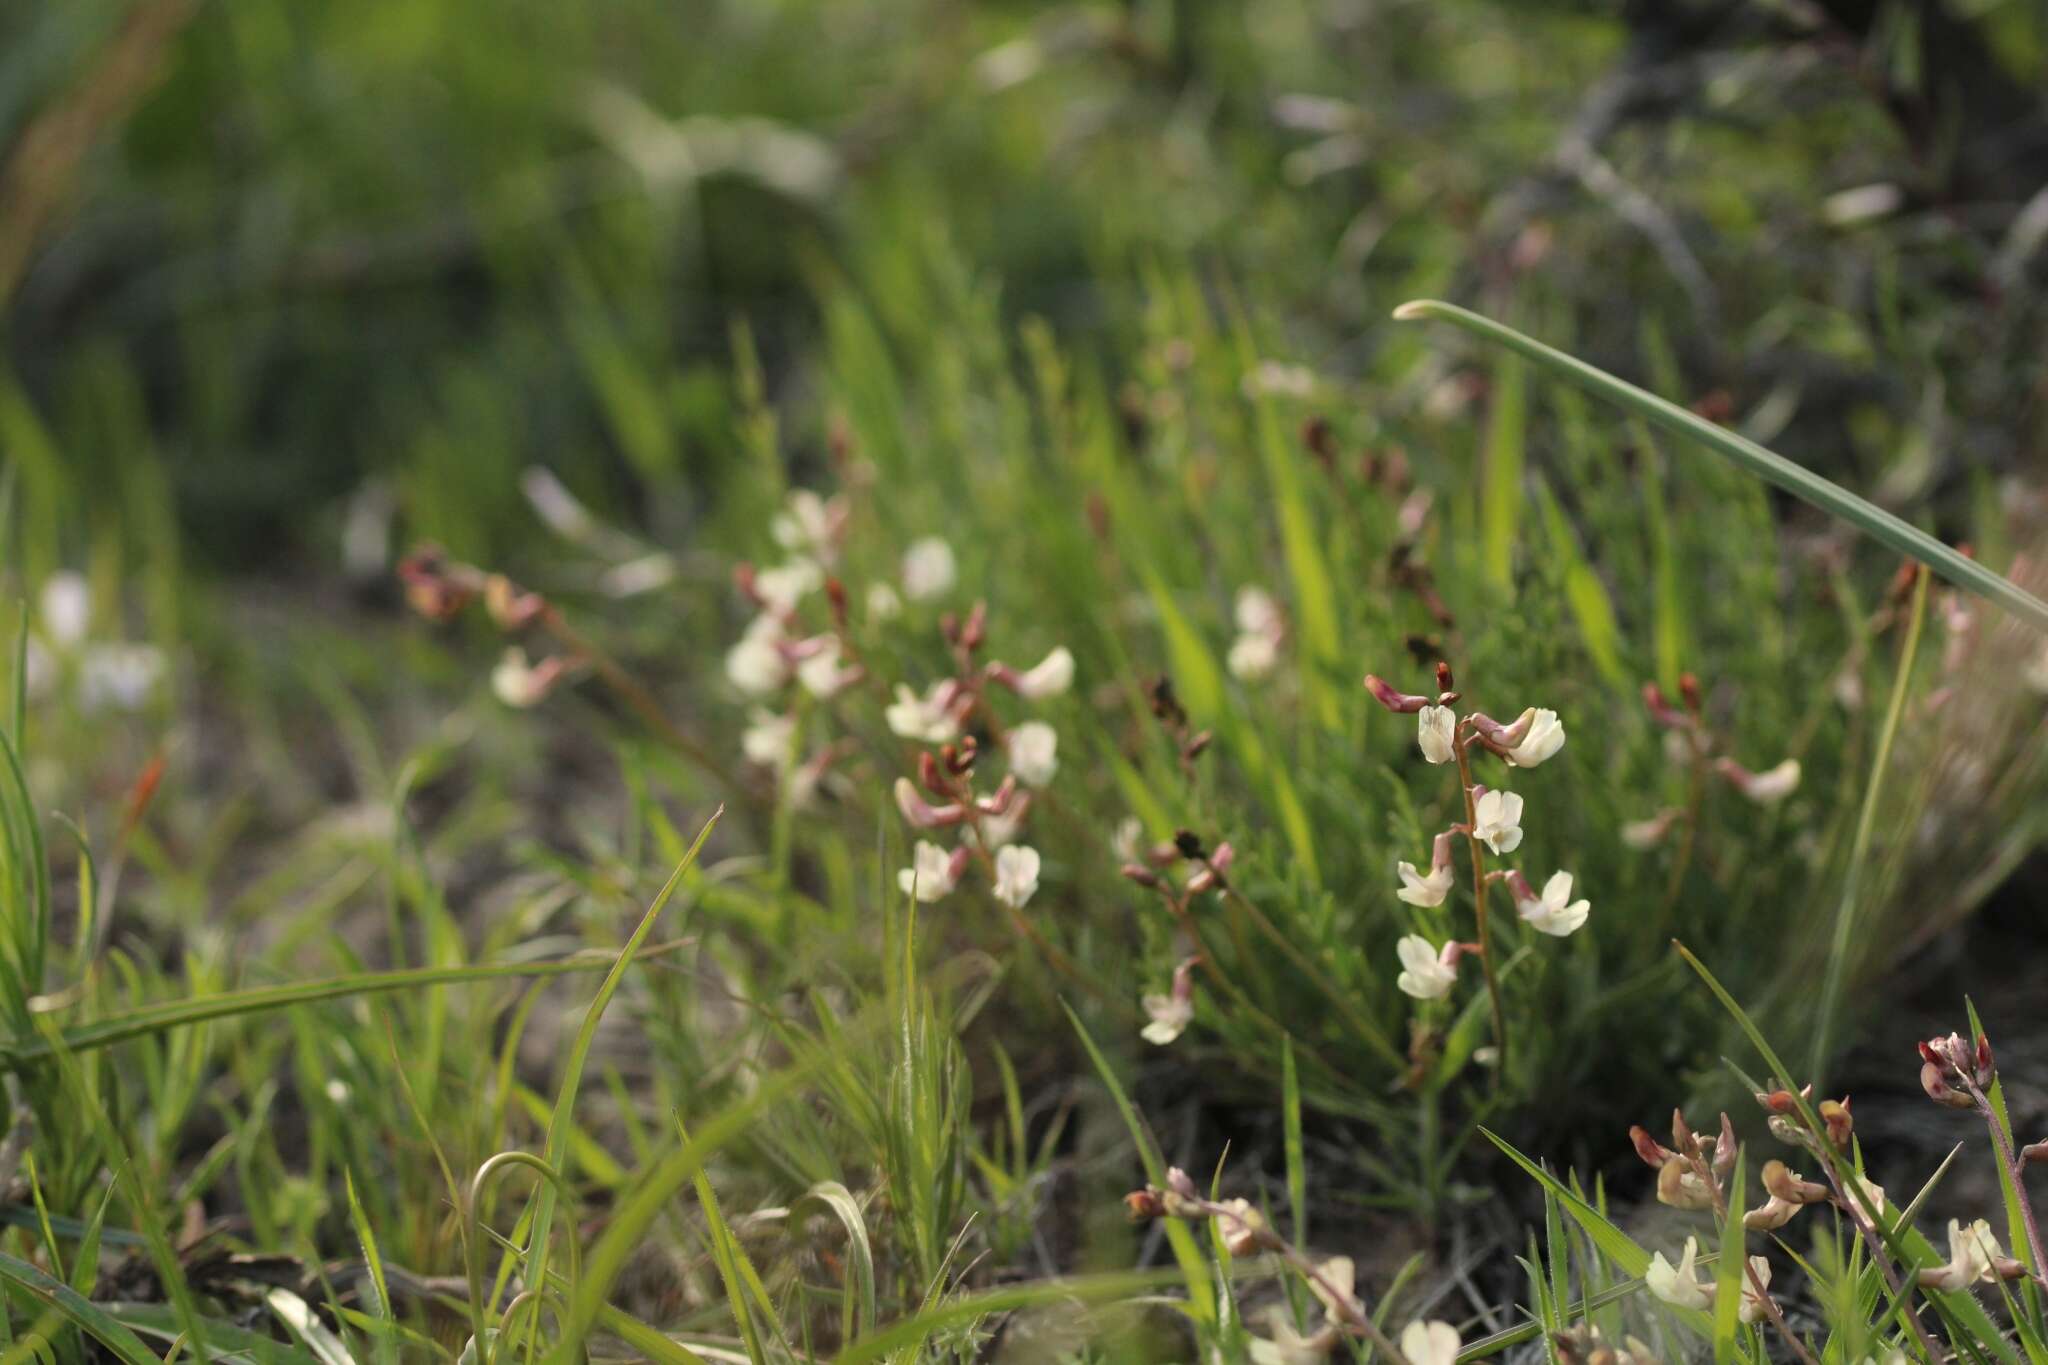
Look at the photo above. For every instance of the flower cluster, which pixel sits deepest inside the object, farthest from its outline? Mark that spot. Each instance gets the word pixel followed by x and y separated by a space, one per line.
pixel 952 715
pixel 1261 630
pixel 1244 1231
pixel 104 675
pixel 1169 1014
pixel 440 589
pixel 1493 822
pixel 1691 745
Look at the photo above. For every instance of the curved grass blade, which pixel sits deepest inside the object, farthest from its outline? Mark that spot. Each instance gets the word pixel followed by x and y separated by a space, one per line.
pixel 1802 483
pixel 80 1311
pixel 149 1019
pixel 859 1313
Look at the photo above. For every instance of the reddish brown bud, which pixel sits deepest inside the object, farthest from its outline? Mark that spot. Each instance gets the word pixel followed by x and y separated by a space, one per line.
pixel 1321 441
pixel 1778 1101
pixel 928 774
pixel 1142 875
pixel 1197 744
pixel 1143 1204
pixel 1444 681
pixel 2035 1153
pixel 1660 707
pixel 976 629
pixel 1939 1090
pixel 1653 1152
pixel 1835 1115
pixel 835 593
pixel 1689 691
pixel 1785 1183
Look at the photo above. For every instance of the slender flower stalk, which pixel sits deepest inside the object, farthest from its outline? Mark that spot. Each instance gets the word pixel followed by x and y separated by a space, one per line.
pixel 1247 1231
pixel 1462 750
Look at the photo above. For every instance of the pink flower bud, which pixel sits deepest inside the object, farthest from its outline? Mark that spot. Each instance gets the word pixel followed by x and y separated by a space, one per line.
pixel 921 813
pixel 1661 710
pixel 1401 703
pixel 1139 873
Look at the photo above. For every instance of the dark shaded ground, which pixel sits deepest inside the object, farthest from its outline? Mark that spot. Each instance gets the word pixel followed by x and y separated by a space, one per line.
pixel 1996 959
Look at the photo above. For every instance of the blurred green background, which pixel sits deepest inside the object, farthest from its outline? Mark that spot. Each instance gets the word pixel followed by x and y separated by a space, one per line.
pixel 255 254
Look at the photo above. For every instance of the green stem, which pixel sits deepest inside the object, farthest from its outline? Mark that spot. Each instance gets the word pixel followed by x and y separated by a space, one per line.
pixel 1859 848
pixel 1500 1022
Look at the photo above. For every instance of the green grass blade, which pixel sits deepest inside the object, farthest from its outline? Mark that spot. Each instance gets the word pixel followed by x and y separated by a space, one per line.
pixel 80 1311
pixel 1859 848
pixel 1500 508
pixel 1290 1118
pixel 557 1152
pixel 1201 1296
pixel 1830 497
pixel 160 1018
pixel 859 1315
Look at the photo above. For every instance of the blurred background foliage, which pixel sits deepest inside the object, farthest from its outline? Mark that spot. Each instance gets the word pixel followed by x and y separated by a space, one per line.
pixel 287 284
pixel 256 254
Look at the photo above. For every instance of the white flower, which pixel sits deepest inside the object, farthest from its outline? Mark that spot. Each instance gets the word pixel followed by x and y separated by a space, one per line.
pixel 1049 677
pixel 997 830
pixel 928 569
pixel 1430 1343
pixel 1679 1286
pixel 1773 784
pixel 1752 1307
pixel 1130 832
pixel 1261 627
pixel 1647 834
pixel 1252 657
pixel 1257 613
pixel 1169 1015
pixel 1340 1275
pixel 1499 824
pixel 883 603
pixel 65 607
pixel 781 588
pixel 1436 730
pixel 118 676
pixel 1551 914
pixel 519 683
pixel 1971 1250
pixel 928 719
pixel 1424 974
pixel 766 740
pixel 808 525
pixel 1034 752
pixel 756 665
pixel 930 874
pixel 1545 737
pixel 1417 889
pixel 820 672
pixel 1016 874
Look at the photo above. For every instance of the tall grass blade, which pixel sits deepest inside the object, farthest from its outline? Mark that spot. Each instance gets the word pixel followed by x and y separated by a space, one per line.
pixel 1859 848
pixel 1802 483
pixel 557 1152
